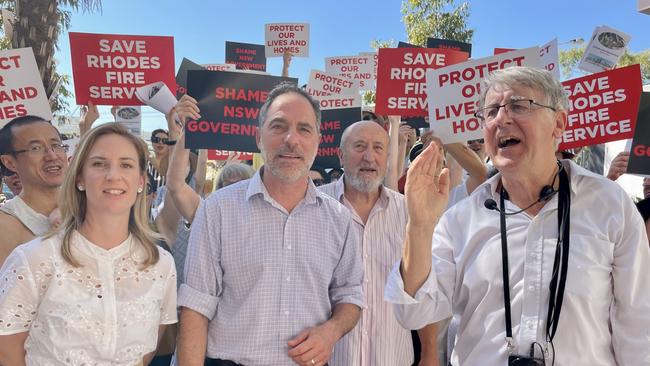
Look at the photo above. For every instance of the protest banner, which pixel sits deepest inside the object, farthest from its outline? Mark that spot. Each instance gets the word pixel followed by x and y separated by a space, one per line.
pixel 130 117
pixel 223 155
pixel 357 68
pixel 401 87
pixel 230 104
pixel 219 67
pixel 321 83
pixel 373 56
pixel 333 123
pixel 454 92
pixel 339 101
pixel 21 87
pixel 107 68
pixel 246 56
pixel 450 44
pixel 607 45
pixel 548 53
pixel 181 76
pixel 602 107
pixel 639 162
pixel 283 37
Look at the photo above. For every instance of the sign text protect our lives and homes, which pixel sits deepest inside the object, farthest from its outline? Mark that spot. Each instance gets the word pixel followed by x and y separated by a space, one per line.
pixel 454 93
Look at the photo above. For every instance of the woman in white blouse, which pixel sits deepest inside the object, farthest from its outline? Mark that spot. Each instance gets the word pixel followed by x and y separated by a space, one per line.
pixel 98 291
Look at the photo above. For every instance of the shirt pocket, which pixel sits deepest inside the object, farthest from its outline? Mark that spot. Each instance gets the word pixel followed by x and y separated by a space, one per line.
pixel 590 267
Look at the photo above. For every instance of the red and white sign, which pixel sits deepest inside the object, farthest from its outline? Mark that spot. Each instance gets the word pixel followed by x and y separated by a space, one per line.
pixel 223 155
pixel 401 86
pixel 21 87
pixel 107 68
pixel 282 37
pixel 358 68
pixel 549 56
pixel 602 107
pixel 454 93
pixel 339 101
pixel 220 67
pixel 321 83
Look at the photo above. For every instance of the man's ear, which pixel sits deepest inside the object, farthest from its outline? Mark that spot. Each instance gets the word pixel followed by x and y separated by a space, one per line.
pixel 560 123
pixel 9 162
pixel 257 137
pixel 340 154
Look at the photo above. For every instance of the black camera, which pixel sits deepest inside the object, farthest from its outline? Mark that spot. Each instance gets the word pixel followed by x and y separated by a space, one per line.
pixel 517 360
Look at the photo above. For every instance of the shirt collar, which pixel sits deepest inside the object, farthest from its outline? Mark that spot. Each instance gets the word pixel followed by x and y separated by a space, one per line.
pixel 86 246
pixel 256 187
pixel 574 170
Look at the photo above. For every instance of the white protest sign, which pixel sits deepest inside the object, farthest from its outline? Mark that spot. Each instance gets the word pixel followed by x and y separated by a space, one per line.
pixel 358 68
pixel 339 101
pixel 375 59
pixel 550 58
pixel 157 96
pixel 453 93
pixel 130 117
pixel 607 45
pixel 220 67
pixel 21 88
pixel 321 83
pixel 282 37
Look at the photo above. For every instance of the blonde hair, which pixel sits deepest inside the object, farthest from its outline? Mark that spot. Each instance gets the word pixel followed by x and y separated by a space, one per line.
pixel 72 202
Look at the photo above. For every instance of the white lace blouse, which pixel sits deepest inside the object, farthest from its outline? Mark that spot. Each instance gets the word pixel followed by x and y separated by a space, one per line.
pixel 106 312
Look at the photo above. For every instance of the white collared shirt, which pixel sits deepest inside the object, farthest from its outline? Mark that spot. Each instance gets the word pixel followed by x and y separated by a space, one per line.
pixel 605 317
pixel 106 312
pixel 377 339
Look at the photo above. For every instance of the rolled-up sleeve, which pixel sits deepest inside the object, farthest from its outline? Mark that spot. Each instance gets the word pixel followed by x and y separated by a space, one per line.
pixel 432 301
pixel 202 283
pixel 630 310
pixel 346 285
pixel 19 298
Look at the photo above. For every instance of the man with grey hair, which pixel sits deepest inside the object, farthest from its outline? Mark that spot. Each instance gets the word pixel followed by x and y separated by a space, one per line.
pixel 273 271
pixel 379 215
pixel 527 245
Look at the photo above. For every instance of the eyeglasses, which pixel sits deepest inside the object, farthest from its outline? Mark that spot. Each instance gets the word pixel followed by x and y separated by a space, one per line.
pixel 514 108
pixel 159 140
pixel 39 150
pixel 479 141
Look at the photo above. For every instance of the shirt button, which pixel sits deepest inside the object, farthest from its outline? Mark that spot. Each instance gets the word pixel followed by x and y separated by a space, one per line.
pixel 531 288
pixel 286 312
pixel 288 278
pixel 366 280
pixel 530 324
pixel 288 246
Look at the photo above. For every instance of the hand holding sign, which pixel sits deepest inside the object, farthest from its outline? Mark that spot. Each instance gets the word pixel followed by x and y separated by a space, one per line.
pixel 187 108
pixel 89 114
pixel 619 165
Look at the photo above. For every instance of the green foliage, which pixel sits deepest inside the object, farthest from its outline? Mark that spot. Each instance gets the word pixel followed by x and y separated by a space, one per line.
pixel 569 60
pixel 436 18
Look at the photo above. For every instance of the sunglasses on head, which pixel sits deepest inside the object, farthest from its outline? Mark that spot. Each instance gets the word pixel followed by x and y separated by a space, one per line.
pixel 479 141
pixel 159 140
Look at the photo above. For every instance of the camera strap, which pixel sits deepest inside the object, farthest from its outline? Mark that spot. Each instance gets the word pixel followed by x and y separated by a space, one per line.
pixel 560 263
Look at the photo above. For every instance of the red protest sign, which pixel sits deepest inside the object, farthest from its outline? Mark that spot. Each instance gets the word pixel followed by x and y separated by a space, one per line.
pixel 223 155
pixel 107 68
pixel 401 78
pixel 602 107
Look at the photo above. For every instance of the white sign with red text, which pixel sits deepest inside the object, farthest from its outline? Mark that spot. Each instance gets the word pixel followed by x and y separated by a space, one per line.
pixel 321 83
pixel 328 102
pixel 220 67
pixel 550 58
pixel 286 37
pixel 375 61
pixel 21 87
pixel 606 46
pixel 454 91
pixel 358 68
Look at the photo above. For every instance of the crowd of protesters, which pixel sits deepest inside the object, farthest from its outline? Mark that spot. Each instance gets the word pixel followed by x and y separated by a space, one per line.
pixel 120 256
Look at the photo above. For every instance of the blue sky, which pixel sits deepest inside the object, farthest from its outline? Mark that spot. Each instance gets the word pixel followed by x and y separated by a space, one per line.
pixel 339 28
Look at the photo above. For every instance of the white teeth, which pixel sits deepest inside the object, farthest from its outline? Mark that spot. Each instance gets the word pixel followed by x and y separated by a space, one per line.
pixel 114 191
pixel 52 169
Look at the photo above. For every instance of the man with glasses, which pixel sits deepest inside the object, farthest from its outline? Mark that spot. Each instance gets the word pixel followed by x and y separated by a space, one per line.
pixel 31 147
pixel 544 263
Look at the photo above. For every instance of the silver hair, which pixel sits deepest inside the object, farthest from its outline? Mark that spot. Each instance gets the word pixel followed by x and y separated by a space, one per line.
pixel 234 172
pixel 534 78
pixel 285 88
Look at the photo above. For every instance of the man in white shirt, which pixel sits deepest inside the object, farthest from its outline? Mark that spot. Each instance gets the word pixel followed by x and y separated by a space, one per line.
pixel 595 277
pixel 379 215
pixel 31 147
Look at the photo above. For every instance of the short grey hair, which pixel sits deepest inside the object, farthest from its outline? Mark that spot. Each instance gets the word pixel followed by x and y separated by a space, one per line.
pixel 234 172
pixel 284 88
pixel 534 78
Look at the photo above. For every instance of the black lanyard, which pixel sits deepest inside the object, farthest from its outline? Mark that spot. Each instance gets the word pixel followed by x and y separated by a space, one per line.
pixel 560 263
